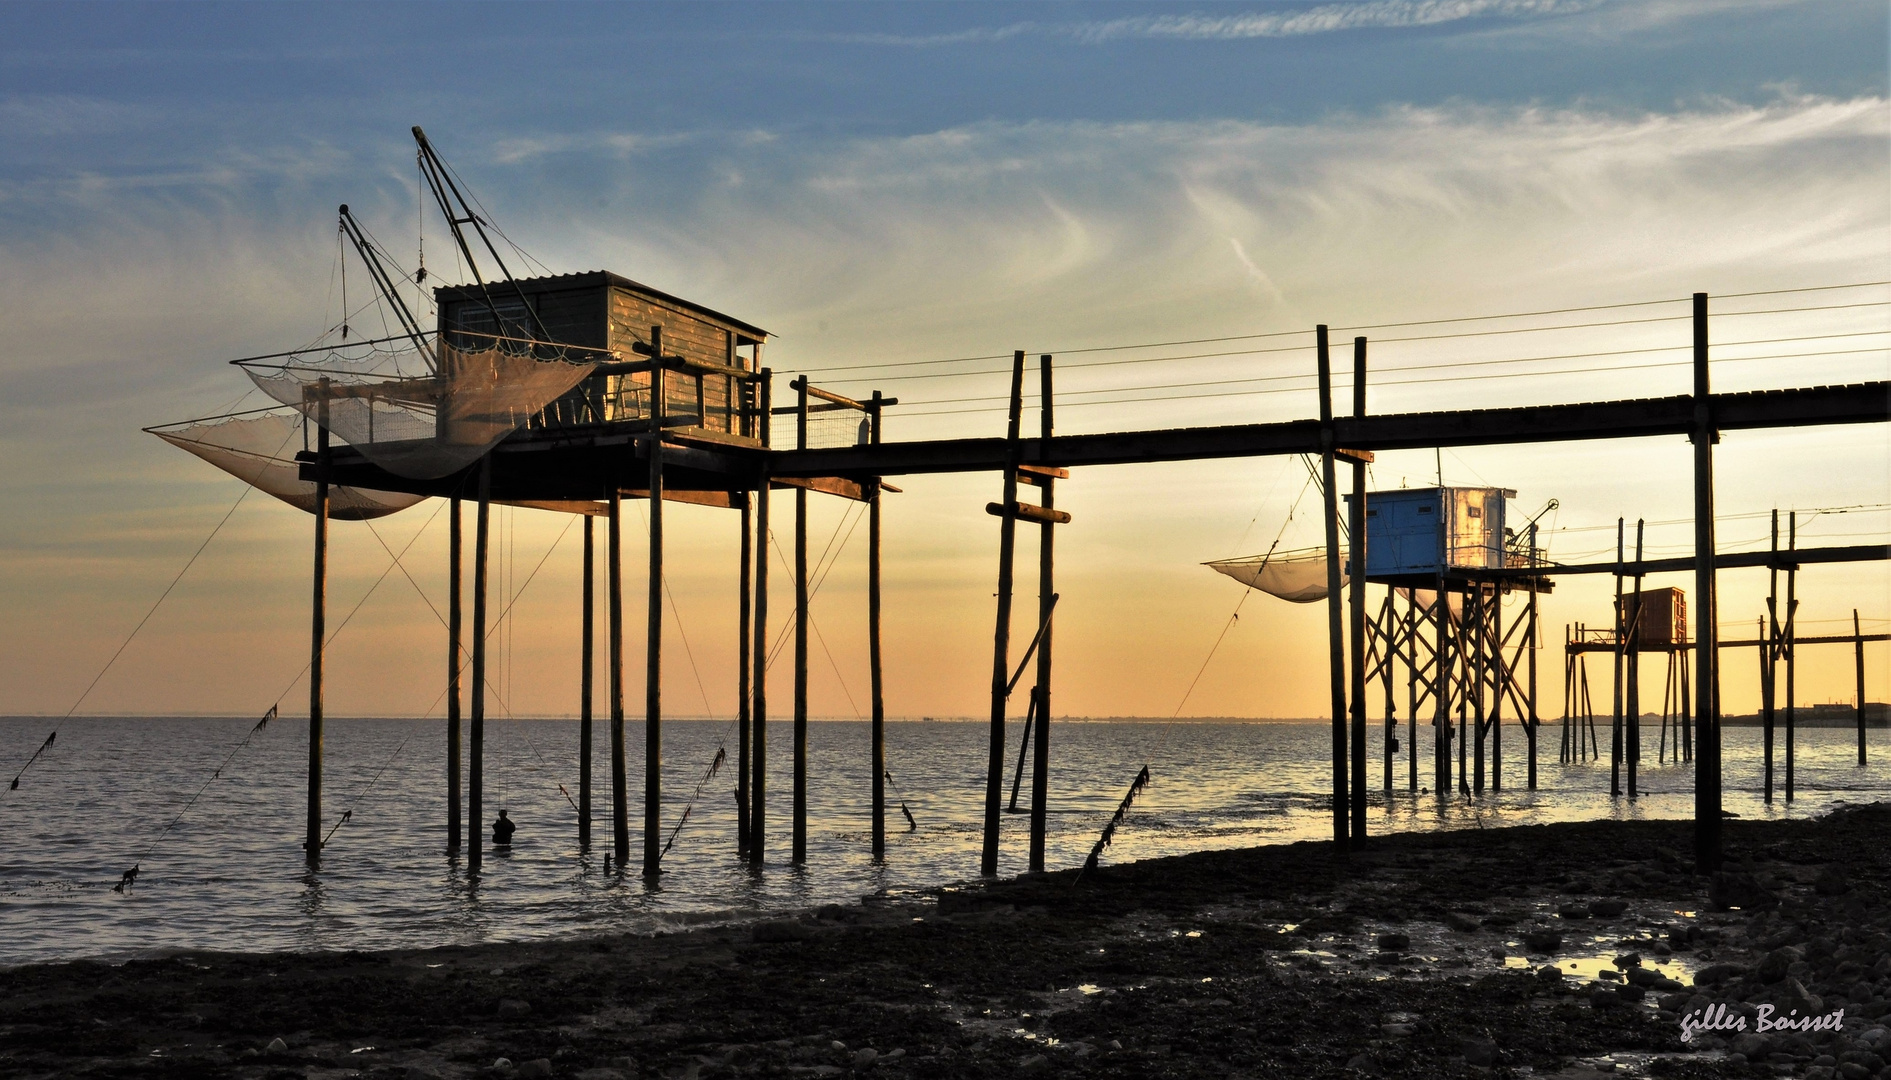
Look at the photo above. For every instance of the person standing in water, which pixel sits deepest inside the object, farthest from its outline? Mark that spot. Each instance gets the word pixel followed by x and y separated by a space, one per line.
pixel 502 830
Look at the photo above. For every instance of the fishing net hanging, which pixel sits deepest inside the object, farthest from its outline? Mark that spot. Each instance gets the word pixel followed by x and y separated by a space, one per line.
pixel 260 449
pixel 426 411
pixel 1298 576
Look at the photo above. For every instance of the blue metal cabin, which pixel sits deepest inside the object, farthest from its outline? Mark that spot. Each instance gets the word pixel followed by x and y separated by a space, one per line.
pixel 1414 534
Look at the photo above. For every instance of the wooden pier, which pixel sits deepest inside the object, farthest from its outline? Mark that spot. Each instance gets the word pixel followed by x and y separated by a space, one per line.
pixel 593 464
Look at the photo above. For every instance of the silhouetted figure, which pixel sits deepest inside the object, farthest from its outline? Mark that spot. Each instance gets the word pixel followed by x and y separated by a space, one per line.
pixel 502 830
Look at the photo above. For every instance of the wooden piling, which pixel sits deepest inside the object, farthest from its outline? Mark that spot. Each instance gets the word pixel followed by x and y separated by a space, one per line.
pixel 1411 689
pixel 1046 597
pixel 1792 619
pixel 318 633
pixel 1441 688
pixel 1480 679
pixel 588 647
pixel 1500 679
pixel 620 782
pixel 1530 643
pixel 1769 664
pixel 758 753
pixel 1335 613
pixel 1633 692
pixel 1707 830
pixel 1621 635
pixel 1001 636
pixel 800 824
pixel 476 748
pixel 1356 528
pixel 1858 656
pixel 877 687
pixel 455 635
pixel 1388 618
pixel 653 634
pixel 744 614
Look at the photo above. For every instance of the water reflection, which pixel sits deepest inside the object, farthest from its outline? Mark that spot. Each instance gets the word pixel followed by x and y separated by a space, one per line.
pixel 384 882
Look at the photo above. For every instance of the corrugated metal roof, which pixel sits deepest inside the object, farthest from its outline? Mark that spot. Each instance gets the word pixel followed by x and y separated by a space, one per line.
pixel 600 277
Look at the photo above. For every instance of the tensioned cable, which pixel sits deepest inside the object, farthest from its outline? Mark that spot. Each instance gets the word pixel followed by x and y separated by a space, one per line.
pixel 1142 777
pixel 1387 326
pixel 1440 368
pixel 123 645
pixel 1301 348
pixel 822 567
pixel 1396 382
pixel 132 874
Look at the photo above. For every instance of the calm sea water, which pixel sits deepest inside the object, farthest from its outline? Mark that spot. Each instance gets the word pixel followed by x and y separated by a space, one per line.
pixel 230 874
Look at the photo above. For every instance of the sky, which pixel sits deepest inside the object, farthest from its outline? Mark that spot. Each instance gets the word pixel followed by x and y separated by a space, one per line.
pixel 884 184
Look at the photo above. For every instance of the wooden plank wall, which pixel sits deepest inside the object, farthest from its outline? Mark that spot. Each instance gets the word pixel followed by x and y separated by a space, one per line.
pixel 684 334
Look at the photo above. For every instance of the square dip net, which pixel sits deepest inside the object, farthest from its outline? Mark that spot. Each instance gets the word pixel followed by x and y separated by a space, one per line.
pixel 425 407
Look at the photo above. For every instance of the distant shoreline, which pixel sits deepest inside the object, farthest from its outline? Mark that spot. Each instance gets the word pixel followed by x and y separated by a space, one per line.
pixel 1873 720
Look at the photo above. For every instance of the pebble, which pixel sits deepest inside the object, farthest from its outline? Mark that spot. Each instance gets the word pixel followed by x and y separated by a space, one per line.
pixel 1542 941
pixel 1394 942
pixel 276 1046
pixel 1480 1052
pixel 514 1007
pixel 865 1056
pixel 502 1064
pixel 1033 1063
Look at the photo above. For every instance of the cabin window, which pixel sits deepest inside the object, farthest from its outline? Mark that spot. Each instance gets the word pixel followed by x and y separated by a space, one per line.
pixel 1474 511
pixel 1372 513
pixel 1424 509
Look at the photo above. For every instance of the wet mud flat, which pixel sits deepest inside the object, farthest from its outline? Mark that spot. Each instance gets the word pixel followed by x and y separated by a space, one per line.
pixel 1569 950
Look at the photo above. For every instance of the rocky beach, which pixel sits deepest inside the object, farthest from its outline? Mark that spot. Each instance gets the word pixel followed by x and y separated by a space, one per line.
pixel 1568 950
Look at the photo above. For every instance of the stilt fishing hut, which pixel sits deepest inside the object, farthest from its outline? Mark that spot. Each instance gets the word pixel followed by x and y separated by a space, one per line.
pixel 568 393
pixel 1441 619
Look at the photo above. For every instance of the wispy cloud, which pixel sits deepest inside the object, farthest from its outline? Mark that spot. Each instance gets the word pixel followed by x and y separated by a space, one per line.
pixel 1323 19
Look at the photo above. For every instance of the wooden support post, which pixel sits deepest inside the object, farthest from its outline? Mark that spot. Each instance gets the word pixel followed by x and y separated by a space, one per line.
pixel 318 634
pixel 1500 682
pixel 1024 752
pixel 1046 597
pixel 1706 607
pixel 1858 656
pixel 456 635
pixel 1769 664
pixel 800 824
pixel 1335 611
pixel 758 753
pixel 1480 664
pixel 1389 620
pixel 877 687
pixel 1411 687
pixel 1001 636
pixel 1569 685
pixel 744 613
pixel 1530 642
pixel 1356 529
pixel 1441 686
pixel 620 782
pixel 1633 693
pixel 1621 635
pixel 476 764
pixel 1792 619
pixel 653 634
pixel 588 647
